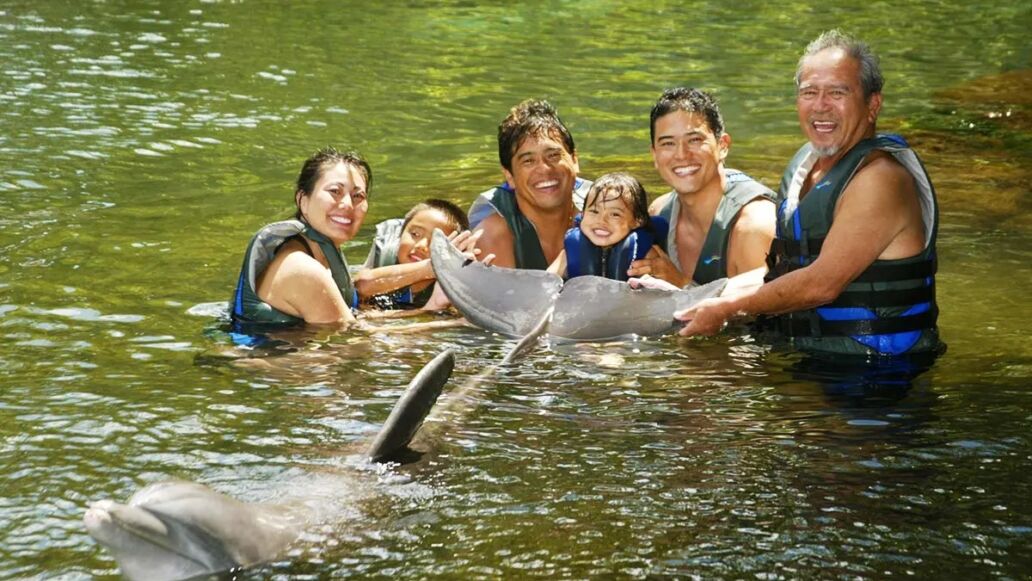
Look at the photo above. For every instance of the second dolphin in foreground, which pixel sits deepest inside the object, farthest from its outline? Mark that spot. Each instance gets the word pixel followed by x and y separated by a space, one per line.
pixel 180 530
pixel 586 308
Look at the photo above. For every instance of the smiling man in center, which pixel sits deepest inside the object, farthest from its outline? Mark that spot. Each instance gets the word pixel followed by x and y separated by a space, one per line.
pixel 524 219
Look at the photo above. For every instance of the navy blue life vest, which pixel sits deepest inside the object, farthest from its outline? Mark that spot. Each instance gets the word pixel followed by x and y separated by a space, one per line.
pixel 890 308
pixel 584 258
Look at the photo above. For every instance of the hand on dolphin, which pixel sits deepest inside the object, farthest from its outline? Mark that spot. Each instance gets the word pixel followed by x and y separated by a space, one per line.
pixel 649 281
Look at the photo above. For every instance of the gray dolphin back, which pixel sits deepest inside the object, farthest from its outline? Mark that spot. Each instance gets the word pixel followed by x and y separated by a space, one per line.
pixel 516 302
pixel 503 300
pixel 412 408
pixel 592 308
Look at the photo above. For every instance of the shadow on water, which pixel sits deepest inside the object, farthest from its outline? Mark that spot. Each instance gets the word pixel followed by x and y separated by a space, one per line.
pixel 855 380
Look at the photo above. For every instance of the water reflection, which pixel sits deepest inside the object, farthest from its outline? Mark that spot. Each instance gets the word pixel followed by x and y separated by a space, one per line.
pixel 143 141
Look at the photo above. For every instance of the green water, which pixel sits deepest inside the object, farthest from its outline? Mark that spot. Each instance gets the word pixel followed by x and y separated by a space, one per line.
pixel 142 143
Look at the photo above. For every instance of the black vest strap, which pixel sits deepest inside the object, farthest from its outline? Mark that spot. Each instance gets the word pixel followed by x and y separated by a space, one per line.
pixel 871 298
pixel 895 272
pixel 803 324
pixel 784 258
pixel 787 247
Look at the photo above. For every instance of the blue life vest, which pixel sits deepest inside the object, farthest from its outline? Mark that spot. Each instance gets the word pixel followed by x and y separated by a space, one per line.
pixel 584 258
pixel 890 308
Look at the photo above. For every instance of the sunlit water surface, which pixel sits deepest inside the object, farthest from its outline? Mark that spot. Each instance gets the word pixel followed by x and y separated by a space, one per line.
pixel 142 143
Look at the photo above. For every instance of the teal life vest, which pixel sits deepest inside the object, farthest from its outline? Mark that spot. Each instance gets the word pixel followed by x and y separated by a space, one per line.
pixel 385 253
pixel 890 308
pixel 739 190
pixel 502 200
pixel 584 258
pixel 247 307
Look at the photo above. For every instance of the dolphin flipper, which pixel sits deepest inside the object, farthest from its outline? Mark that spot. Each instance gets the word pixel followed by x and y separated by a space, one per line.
pixel 503 300
pixel 529 340
pixel 412 408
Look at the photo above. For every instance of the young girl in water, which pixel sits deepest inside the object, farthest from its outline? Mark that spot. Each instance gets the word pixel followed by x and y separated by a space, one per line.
pixel 613 229
pixel 397 273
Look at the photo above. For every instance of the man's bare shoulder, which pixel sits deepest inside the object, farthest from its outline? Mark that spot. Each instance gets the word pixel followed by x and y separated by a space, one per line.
pixel 883 186
pixel 759 215
pixel 493 227
pixel 497 239
pixel 657 205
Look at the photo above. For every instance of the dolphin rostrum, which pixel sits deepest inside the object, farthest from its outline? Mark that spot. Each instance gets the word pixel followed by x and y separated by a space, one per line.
pixel 586 308
pixel 179 530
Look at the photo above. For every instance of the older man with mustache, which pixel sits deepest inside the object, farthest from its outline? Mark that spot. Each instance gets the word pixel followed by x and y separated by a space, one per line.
pixel 852 268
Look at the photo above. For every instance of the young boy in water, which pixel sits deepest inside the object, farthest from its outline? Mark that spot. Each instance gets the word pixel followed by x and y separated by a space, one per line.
pixel 397 274
pixel 613 229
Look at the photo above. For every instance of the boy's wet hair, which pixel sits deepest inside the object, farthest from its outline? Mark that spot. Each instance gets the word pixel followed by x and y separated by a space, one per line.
pixel 689 100
pixel 323 160
pixel 457 219
pixel 617 185
pixel 533 117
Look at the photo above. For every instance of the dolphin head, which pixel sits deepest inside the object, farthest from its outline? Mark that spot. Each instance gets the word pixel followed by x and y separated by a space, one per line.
pixel 149 545
pixel 178 530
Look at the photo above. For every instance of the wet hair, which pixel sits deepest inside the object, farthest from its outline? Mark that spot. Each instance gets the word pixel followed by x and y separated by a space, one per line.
pixel 533 117
pixel 689 100
pixel 457 219
pixel 620 185
pixel 317 165
pixel 871 79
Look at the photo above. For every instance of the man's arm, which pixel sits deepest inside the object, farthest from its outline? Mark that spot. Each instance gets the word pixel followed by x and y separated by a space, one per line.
pixel 750 237
pixel 497 239
pixel 877 206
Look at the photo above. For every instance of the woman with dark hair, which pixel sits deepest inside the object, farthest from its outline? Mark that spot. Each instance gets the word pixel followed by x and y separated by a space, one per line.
pixel 293 270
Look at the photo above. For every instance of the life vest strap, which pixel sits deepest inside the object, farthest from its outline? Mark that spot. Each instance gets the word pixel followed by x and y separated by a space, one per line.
pixel 784 257
pixel 789 247
pixel 897 272
pixel 809 324
pixel 871 298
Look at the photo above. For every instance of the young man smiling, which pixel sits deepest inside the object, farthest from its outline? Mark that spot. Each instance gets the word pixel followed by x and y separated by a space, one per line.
pixel 721 220
pixel 524 220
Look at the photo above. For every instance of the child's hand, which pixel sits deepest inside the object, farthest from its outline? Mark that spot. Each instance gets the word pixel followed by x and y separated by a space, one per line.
pixel 657 264
pixel 438 301
pixel 466 243
pixel 651 282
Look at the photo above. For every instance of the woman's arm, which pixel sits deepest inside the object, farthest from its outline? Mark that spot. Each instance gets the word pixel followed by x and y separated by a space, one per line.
pixel 300 285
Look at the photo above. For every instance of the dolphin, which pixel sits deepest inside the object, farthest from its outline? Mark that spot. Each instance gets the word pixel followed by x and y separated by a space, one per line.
pixel 412 408
pixel 586 308
pixel 179 530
